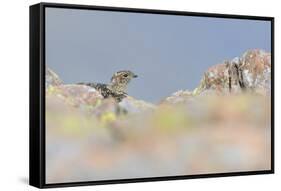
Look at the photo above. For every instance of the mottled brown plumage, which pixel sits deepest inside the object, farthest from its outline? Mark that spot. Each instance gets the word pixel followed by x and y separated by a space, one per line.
pixel 117 88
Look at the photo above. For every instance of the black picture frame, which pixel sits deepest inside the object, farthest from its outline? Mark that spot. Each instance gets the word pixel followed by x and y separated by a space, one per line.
pixel 37 95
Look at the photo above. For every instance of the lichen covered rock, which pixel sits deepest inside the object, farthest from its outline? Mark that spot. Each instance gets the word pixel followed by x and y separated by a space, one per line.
pixel 133 105
pixel 178 97
pixel 88 99
pixel 256 70
pixel 75 95
pixel 251 72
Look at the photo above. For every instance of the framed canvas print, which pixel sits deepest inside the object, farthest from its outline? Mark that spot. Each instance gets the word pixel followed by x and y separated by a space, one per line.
pixel 123 95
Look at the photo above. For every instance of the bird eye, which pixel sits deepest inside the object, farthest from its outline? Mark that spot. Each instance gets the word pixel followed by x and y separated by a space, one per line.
pixel 125 75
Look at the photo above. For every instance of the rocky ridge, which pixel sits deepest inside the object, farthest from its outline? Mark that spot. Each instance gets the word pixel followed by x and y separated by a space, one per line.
pixel 250 73
pixel 88 99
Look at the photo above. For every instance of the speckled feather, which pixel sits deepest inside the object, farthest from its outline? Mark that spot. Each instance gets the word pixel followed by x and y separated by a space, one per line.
pixel 117 87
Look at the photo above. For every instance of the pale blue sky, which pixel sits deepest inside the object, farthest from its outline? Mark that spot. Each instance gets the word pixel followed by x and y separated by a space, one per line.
pixel 167 52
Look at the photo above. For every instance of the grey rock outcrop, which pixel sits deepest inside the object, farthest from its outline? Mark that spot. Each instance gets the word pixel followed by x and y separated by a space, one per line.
pixel 250 73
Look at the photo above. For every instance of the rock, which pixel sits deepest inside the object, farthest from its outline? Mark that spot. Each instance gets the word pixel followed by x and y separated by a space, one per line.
pixel 251 72
pixel 105 106
pixel 216 78
pixel 90 100
pixel 133 105
pixel 52 78
pixel 178 97
pixel 256 70
pixel 80 96
pixel 222 134
pixel 85 94
pixel 206 134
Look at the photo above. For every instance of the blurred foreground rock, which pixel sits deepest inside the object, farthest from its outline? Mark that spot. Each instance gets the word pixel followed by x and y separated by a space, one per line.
pixel 133 105
pixel 214 134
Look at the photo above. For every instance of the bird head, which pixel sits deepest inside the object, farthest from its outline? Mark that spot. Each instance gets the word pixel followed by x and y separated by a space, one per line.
pixel 121 79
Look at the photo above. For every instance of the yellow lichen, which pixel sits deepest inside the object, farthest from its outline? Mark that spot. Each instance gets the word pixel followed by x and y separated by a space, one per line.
pixel 108 117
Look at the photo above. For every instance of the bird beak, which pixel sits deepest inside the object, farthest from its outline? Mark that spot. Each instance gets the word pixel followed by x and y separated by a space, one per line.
pixel 135 76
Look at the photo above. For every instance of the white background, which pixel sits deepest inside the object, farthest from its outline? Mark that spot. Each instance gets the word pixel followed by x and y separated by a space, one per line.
pixel 14 74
